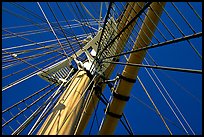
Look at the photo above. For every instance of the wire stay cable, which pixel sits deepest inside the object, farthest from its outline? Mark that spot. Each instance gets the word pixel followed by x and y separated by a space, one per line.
pixel 52 29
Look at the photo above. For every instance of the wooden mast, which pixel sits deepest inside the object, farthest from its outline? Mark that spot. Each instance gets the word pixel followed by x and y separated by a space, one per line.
pixel 63 118
pixel 130 11
pixel 117 105
pixel 59 123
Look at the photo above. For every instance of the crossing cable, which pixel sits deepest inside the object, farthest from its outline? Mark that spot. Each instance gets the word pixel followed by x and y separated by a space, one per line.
pixel 148 28
pixel 89 13
pixel 142 39
pixel 25 33
pixel 42 45
pixel 16 72
pixel 167 102
pixel 23 17
pixel 19 52
pixel 37 92
pixel 52 29
pixel 61 29
pixel 103 29
pixel 76 16
pixel 35 114
pixel 178 84
pixel 47 41
pixel 82 15
pixel 153 24
pixel 31 50
pixel 24 26
pixel 32 56
pixel 160 20
pixel 30 12
pixel 184 129
pixel 69 24
pixel 182 87
pixel 33 14
pixel 28 107
pixel 45 29
pixel 29 75
pixel 8 58
pixel 196 51
pixel 28 121
pixel 88 24
pixel 13 116
pixel 13 64
pixel 27 19
pixel 8 125
pixel 172 100
pixel 188 25
pixel 87 21
pixel 149 107
pixel 27 11
pixel 154 106
pixel 29 58
pixel 199 34
pixel 48 110
pixel 48 107
pixel 123 15
pixel 118 20
pixel 17 63
pixel 142 30
pixel 157 67
pixel 128 24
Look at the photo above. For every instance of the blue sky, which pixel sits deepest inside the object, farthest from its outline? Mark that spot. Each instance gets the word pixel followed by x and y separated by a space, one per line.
pixel 141 119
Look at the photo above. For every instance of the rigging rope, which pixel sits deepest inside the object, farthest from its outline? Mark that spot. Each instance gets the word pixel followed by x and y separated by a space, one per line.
pixel 171 99
pixel 52 29
pixel 196 51
pixel 154 105
pixel 199 34
pixel 167 101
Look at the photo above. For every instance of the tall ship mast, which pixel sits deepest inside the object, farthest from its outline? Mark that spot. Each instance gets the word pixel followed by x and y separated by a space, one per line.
pixel 101 68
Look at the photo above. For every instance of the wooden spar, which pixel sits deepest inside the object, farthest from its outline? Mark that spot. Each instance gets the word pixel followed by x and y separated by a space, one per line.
pixel 64 116
pixel 130 12
pixel 124 87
